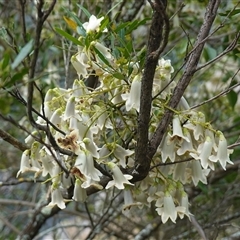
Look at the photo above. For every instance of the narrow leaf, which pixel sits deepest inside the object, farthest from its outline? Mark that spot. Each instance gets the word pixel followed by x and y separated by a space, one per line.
pixel 22 54
pixel 118 75
pixel 68 36
pixel 101 56
pixel 87 13
pixel 16 77
pixel 232 98
pixel 70 23
pixel 6 59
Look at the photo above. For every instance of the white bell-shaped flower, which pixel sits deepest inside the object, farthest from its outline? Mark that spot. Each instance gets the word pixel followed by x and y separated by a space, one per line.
pixel 179 172
pixel 70 109
pixel 167 148
pixel 168 210
pixel 195 124
pixel 85 163
pixel 79 89
pixel 56 198
pixel 93 24
pixel 80 63
pixel 177 130
pixel 133 98
pixel 121 153
pixel 183 201
pixel 198 174
pixel 186 145
pixel 47 163
pixel 204 152
pixel 106 52
pixel 119 179
pixel 91 146
pixel 25 162
pixel 79 193
pixel 222 152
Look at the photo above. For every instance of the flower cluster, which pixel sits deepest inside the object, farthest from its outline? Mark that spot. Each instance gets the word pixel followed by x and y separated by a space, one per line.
pixel 97 125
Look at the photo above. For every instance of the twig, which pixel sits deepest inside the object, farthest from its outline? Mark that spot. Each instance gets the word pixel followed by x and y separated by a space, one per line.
pixel 224 92
pixel 198 228
pixel 20 181
pixel 231 46
pixel 17 202
pixel 100 221
pixel 89 214
pixel 13 141
pixel 15 93
pixel 7 223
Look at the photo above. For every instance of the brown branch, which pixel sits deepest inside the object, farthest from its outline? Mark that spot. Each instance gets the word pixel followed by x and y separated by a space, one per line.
pixel 23 22
pixel 41 19
pixel 191 66
pixel 156 42
pixel 13 141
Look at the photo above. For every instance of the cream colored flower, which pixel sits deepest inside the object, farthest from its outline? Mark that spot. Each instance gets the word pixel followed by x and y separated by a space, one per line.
pixel 167 148
pixel 168 210
pixel 222 154
pixel 204 152
pixel 79 193
pixel 104 50
pixel 85 164
pixel 133 98
pixel 177 130
pixel 93 24
pixel 25 162
pixel 198 174
pixel 119 179
pixel 56 198
pixel 79 62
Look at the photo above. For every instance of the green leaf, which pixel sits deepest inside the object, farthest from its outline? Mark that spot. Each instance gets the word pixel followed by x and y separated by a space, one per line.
pixel 101 56
pixel 3 34
pixel 120 2
pixel 118 75
pixel 135 24
pixel 232 98
pixel 121 26
pixel 22 54
pixel 68 36
pixel 104 24
pixel 6 59
pixel 232 13
pixel 203 187
pixel 87 13
pixel 16 77
pixel 5 104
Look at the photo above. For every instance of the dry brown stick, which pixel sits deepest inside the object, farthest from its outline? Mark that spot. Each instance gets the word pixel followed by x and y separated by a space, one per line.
pixel 13 141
